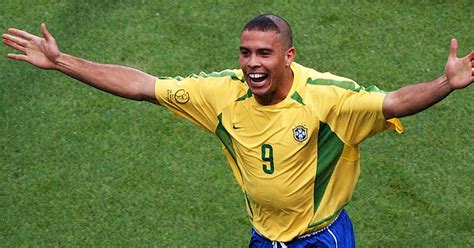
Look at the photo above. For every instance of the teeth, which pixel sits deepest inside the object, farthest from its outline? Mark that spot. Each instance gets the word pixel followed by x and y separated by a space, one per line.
pixel 256 75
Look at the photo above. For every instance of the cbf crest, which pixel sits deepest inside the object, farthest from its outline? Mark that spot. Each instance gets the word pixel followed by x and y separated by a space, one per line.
pixel 300 133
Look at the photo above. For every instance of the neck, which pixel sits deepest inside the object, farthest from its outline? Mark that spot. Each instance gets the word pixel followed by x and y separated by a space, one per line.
pixel 280 93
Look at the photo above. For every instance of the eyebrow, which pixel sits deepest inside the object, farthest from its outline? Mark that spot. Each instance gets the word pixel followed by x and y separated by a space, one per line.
pixel 264 49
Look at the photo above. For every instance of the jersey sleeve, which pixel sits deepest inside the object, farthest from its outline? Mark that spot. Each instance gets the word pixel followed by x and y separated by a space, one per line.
pixel 198 98
pixel 355 115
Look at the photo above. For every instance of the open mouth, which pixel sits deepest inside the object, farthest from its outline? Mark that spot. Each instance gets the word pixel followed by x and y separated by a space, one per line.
pixel 257 78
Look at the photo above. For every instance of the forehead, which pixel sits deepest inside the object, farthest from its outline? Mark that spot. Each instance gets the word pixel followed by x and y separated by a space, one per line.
pixel 254 39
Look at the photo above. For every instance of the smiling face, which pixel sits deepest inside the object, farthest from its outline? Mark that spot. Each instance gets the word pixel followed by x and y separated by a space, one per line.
pixel 266 65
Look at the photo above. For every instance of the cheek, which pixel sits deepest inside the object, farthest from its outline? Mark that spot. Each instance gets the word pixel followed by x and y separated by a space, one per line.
pixel 243 60
pixel 276 67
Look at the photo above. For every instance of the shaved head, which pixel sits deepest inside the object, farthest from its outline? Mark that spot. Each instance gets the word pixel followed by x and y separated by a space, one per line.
pixel 270 22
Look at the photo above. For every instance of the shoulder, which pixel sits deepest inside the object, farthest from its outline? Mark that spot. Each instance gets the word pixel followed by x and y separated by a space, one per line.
pixel 228 83
pixel 324 88
pixel 228 74
pixel 213 88
pixel 223 76
pixel 232 78
pixel 317 84
pixel 312 77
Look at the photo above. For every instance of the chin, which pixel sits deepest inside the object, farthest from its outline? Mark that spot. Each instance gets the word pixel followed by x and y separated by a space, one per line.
pixel 262 91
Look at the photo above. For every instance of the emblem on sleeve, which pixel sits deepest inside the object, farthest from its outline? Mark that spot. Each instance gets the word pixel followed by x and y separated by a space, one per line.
pixel 181 96
pixel 300 133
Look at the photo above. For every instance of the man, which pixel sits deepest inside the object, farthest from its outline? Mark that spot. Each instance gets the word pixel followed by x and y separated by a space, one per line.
pixel 290 133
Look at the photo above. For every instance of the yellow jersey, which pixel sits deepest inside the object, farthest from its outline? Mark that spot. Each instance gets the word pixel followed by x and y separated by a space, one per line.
pixel 296 161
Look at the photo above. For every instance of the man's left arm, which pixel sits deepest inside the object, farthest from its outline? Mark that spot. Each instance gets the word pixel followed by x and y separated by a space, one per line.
pixel 408 100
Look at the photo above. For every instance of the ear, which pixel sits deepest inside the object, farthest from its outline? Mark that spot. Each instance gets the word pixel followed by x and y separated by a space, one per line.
pixel 290 55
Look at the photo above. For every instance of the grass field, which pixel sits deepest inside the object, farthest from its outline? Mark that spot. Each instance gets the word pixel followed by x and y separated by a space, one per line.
pixel 79 167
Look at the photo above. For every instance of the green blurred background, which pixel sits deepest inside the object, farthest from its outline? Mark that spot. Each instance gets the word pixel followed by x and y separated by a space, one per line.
pixel 79 167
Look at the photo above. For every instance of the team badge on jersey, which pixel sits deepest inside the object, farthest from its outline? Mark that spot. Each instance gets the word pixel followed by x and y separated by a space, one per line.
pixel 180 96
pixel 300 133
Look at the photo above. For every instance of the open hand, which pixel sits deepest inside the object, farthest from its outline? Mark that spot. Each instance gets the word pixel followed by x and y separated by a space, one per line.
pixel 459 71
pixel 41 52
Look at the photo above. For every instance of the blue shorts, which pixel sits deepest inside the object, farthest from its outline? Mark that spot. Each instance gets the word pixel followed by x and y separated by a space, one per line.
pixel 337 234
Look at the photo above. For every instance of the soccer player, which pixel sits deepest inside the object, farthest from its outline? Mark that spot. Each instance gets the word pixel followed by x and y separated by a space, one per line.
pixel 291 134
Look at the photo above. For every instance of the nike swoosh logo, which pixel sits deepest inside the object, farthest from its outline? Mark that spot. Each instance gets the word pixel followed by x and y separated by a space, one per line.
pixel 236 127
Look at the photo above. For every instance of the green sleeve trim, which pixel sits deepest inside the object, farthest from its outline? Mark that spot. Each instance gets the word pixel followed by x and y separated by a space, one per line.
pixel 348 85
pixel 226 73
pixel 230 74
pixel 374 88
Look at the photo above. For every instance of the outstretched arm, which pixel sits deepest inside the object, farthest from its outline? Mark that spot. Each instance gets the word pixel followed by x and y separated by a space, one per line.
pixel 408 100
pixel 43 52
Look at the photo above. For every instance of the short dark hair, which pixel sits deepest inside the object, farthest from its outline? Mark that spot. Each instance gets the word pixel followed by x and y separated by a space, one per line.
pixel 271 22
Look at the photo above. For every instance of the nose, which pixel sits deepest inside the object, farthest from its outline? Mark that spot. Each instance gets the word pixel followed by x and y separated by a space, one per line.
pixel 253 62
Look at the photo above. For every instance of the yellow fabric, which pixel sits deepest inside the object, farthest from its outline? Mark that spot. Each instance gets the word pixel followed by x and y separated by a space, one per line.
pixel 276 170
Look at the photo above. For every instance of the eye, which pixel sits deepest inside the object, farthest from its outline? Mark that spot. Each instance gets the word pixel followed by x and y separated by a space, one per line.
pixel 265 53
pixel 244 53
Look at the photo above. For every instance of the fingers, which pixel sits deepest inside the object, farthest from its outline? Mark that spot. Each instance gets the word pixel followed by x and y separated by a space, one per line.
pixel 18 47
pixel 45 32
pixel 13 44
pixel 471 57
pixel 21 57
pixel 20 33
pixel 17 40
pixel 454 48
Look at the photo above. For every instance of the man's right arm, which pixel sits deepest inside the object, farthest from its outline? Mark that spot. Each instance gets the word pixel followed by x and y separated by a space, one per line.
pixel 44 53
pixel 118 80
